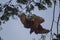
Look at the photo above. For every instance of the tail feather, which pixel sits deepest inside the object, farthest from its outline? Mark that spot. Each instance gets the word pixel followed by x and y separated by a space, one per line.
pixel 40 30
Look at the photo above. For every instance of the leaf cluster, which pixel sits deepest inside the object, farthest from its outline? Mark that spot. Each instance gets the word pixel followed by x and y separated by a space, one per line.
pixel 11 10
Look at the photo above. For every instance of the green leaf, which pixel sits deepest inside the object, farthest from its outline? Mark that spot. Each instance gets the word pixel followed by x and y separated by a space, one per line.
pixel 5 18
pixel 0 8
pixel 31 7
pixel 58 35
pixel 11 11
pixel 1 38
pixel 22 1
pixel 40 6
pixel 14 11
pixel 54 39
pixel 48 2
pixel 27 9
pixel 0 22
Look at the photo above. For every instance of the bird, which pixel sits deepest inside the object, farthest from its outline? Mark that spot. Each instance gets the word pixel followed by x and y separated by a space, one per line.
pixel 33 25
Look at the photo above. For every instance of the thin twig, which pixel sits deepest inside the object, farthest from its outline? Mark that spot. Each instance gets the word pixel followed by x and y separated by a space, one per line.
pixel 26 6
pixel 53 20
pixel 58 22
pixel 58 18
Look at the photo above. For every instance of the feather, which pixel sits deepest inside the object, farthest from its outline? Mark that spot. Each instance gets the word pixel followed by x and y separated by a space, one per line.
pixel 26 22
pixel 37 21
pixel 39 30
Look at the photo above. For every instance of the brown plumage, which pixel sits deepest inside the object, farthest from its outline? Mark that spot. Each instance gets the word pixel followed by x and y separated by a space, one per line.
pixel 37 21
pixel 39 30
pixel 42 30
pixel 34 25
pixel 26 22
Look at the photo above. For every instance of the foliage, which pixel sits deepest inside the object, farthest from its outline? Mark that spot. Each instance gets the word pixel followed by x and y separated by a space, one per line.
pixel 11 10
pixel 0 8
pixel 57 37
pixel 1 38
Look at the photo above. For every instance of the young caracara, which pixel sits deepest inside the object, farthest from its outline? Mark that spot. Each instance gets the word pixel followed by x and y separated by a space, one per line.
pixel 33 22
